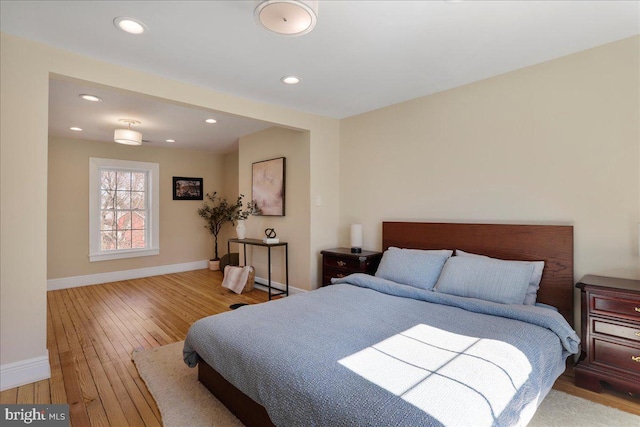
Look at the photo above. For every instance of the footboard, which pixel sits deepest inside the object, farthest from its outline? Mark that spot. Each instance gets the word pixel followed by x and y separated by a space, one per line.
pixel 242 406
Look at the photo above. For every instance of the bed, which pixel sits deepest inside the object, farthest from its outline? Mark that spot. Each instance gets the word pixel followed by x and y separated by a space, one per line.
pixel 373 351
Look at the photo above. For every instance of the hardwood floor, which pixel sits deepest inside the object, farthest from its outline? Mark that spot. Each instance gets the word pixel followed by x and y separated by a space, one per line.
pixel 92 331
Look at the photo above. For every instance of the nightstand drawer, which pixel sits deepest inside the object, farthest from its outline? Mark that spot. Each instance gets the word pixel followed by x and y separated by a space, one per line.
pixel 617 355
pixel 614 329
pixel 617 307
pixel 336 272
pixel 341 262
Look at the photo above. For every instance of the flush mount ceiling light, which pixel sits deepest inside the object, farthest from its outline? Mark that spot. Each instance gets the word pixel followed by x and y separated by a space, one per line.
pixel 128 136
pixel 129 25
pixel 88 97
pixel 287 17
pixel 211 121
pixel 171 140
pixel 290 80
pixel 75 129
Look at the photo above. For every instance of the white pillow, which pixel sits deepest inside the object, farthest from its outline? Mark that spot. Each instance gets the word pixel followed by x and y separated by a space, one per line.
pixel 534 282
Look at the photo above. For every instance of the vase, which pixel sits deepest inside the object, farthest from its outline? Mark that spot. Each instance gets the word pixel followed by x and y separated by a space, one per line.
pixel 241 229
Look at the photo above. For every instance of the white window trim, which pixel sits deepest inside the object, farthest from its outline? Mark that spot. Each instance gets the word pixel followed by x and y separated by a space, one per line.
pixel 153 185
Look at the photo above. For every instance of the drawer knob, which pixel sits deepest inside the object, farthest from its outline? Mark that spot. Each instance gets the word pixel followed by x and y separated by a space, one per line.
pixel 637 334
pixel 635 358
pixel 342 264
pixel 637 309
pixel 339 276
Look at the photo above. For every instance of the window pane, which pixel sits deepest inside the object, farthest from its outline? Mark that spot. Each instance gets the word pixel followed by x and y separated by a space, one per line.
pixel 124 220
pixel 107 220
pixel 137 200
pixel 124 239
pixel 138 181
pixel 123 180
pixel 106 199
pixel 123 200
pixel 138 220
pixel 107 240
pixel 121 215
pixel 108 180
pixel 138 239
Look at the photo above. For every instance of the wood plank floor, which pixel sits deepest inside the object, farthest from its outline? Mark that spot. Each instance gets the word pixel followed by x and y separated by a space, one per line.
pixel 92 331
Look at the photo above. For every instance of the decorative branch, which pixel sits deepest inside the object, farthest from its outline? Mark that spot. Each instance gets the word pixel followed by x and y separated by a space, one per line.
pixel 216 211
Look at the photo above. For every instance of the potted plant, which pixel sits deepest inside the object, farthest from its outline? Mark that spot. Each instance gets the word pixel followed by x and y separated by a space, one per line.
pixel 216 211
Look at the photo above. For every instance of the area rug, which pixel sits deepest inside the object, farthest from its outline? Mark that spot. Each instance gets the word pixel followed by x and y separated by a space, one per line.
pixel 183 401
pixel 180 397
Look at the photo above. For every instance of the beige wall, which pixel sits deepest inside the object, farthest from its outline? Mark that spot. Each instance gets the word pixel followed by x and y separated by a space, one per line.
pixel 23 219
pixel 183 237
pixel 24 75
pixel 553 143
pixel 231 192
pixel 294 227
pixel 231 188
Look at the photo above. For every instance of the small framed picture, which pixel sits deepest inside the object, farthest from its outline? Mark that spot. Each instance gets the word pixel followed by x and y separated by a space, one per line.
pixel 187 188
pixel 268 185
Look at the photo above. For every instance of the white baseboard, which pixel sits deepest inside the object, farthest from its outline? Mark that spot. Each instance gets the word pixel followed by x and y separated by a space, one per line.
pixel 115 276
pixel 261 283
pixel 24 372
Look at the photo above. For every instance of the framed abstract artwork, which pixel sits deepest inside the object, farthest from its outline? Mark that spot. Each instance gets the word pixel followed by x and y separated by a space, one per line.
pixel 268 186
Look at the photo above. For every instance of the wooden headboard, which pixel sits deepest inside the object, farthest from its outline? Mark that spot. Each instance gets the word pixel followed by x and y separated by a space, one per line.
pixel 552 244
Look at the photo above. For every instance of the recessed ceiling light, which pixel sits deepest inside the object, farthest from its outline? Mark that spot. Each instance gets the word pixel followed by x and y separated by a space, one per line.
pixel 171 140
pixel 290 80
pixel 211 121
pixel 88 97
pixel 129 25
pixel 76 129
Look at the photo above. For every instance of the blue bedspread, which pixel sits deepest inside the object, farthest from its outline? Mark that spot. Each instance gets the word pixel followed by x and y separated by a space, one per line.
pixel 370 352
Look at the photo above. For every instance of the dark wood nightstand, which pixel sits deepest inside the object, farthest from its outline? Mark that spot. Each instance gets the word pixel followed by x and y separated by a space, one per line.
pixel 610 334
pixel 340 262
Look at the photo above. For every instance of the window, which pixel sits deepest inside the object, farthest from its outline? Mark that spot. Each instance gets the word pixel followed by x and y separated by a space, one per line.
pixel 123 209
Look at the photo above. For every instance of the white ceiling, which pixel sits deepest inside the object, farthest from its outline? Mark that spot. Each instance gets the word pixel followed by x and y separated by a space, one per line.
pixel 159 120
pixel 361 56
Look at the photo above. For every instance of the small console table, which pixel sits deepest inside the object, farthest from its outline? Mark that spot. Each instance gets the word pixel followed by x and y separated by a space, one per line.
pixel 258 242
